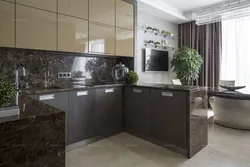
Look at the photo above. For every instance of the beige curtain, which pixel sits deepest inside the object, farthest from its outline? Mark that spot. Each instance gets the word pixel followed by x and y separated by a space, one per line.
pixel 207 40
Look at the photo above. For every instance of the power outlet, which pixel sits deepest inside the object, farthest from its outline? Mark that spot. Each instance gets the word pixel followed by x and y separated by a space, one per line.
pixel 64 75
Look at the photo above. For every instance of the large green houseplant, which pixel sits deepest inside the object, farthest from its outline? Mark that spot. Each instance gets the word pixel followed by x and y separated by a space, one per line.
pixel 7 93
pixel 186 63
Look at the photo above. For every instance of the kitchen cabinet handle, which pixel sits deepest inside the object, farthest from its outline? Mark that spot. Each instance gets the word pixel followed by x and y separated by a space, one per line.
pixel 109 90
pixel 82 93
pixel 47 97
pixel 137 90
pixel 168 94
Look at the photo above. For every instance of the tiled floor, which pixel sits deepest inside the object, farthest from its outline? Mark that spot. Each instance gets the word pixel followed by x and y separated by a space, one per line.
pixel 227 148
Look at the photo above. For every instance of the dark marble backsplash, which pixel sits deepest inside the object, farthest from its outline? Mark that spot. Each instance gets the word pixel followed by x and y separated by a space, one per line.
pixel 84 69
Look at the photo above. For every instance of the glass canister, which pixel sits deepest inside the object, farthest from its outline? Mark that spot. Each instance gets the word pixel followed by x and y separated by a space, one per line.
pixel 119 71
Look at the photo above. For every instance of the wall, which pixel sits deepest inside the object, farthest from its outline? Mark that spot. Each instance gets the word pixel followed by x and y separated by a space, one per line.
pixel 153 77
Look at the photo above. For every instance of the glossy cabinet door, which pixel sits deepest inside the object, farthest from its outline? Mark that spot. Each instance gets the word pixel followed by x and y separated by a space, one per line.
pixel 9 0
pixel 108 105
pixel 76 8
pixel 50 5
pixel 81 116
pixel 7 24
pixel 35 29
pixel 124 42
pixel 168 117
pixel 102 11
pixel 124 14
pixel 101 39
pixel 137 110
pixel 72 34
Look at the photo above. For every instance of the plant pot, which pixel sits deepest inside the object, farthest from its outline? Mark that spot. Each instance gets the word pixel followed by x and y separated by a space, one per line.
pixel 9 111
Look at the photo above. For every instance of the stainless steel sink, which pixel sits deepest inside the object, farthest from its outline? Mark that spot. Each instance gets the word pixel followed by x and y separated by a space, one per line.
pixel 9 111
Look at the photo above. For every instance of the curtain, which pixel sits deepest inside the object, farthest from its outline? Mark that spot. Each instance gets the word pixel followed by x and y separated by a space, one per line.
pixel 207 40
pixel 236 51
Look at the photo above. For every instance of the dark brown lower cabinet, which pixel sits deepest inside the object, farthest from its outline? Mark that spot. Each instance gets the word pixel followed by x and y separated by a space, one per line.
pixel 58 100
pixel 81 115
pixel 137 110
pixel 108 107
pixel 168 117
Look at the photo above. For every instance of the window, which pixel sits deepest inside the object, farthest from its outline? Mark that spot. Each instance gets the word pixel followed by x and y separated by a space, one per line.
pixel 235 62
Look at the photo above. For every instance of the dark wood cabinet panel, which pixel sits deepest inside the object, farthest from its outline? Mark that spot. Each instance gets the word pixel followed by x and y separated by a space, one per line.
pixel 108 118
pixel 57 100
pixel 81 116
pixel 137 110
pixel 168 117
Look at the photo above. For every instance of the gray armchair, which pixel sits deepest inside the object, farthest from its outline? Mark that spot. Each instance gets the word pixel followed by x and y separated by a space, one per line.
pixel 231 113
pixel 224 83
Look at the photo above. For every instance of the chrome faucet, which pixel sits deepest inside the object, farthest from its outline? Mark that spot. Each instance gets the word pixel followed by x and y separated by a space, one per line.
pixel 46 79
pixel 23 74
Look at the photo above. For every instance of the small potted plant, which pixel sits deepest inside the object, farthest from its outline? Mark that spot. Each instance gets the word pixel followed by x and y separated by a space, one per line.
pixel 148 29
pixel 7 94
pixel 157 44
pixel 163 32
pixel 149 42
pixel 166 33
pixel 131 77
pixel 156 31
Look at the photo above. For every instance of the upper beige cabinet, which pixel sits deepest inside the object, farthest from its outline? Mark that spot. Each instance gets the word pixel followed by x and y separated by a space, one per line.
pixel 76 8
pixel 124 42
pixel 35 29
pixel 9 0
pixel 102 11
pixel 124 14
pixel 72 34
pixel 101 39
pixel 50 5
pixel 7 24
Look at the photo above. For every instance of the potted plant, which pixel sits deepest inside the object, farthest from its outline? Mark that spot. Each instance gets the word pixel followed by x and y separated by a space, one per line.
pixel 157 43
pixel 156 31
pixel 131 77
pixel 7 94
pixel 149 28
pixel 166 33
pixel 186 63
pixel 148 43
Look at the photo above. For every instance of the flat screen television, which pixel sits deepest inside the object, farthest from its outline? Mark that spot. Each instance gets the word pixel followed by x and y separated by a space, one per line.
pixel 155 60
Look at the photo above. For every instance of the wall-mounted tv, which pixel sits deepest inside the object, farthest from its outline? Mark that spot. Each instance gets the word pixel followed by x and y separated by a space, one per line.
pixel 155 60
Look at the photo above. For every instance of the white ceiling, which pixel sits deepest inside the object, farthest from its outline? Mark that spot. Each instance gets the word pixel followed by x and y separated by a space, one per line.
pixel 188 5
pixel 176 11
pixel 161 14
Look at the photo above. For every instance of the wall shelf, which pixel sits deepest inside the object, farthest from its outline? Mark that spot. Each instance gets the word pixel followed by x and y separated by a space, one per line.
pixel 157 32
pixel 157 46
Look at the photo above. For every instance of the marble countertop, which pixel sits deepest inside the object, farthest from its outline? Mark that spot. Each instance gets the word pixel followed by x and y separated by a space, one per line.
pixel 72 87
pixel 242 94
pixel 166 86
pixel 37 90
pixel 30 110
